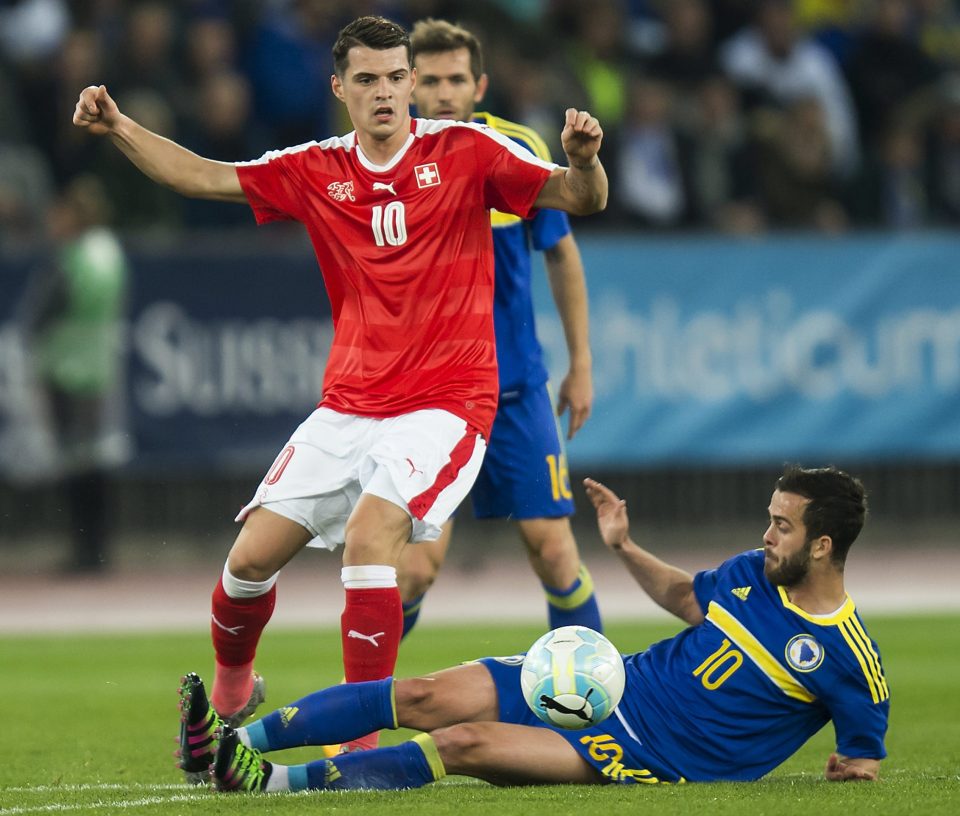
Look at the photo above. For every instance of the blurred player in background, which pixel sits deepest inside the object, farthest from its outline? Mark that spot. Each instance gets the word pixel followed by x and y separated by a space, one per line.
pixel 73 314
pixel 524 474
pixel 397 213
pixel 774 650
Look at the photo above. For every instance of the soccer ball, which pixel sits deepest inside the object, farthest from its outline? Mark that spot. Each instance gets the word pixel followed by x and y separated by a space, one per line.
pixel 572 677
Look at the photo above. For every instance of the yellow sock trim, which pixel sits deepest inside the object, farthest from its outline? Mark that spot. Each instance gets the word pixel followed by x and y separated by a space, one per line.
pixel 393 702
pixel 429 748
pixel 576 598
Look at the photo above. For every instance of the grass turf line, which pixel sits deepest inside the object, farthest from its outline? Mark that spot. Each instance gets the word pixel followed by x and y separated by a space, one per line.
pixel 90 725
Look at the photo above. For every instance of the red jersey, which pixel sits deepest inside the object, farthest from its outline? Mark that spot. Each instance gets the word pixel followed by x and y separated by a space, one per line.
pixel 406 253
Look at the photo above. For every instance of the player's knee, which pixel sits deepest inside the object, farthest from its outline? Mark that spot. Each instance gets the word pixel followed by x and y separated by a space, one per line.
pixel 462 747
pixel 415 579
pixel 250 565
pixel 549 538
pixel 553 551
pixel 559 550
pixel 416 702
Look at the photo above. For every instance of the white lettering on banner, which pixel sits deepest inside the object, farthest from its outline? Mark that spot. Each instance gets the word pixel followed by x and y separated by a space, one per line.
pixel 213 368
pixel 762 348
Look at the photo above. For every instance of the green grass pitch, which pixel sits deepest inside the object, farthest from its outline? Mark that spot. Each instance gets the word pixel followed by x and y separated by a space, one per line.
pixel 89 723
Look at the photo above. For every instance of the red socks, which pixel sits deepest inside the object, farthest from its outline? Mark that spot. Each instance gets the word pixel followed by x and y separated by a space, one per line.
pixel 236 625
pixel 370 626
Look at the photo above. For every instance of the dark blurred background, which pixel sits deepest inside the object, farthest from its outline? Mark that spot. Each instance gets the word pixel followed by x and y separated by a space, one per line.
pixel 775 278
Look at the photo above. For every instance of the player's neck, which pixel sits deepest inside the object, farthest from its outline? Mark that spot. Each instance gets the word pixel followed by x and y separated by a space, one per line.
pixel 380 151
pixel 819 594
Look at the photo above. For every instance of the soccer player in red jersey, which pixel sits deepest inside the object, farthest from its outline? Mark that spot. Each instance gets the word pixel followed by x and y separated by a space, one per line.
pixel 398 214
pixel 524 474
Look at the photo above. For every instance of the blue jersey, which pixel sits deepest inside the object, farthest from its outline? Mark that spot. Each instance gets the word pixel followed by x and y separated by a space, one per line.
pixel 519 356
pixel 735 696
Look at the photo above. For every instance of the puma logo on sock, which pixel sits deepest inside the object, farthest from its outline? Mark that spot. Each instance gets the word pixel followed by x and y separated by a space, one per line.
pixel 232 630
pixel 353 633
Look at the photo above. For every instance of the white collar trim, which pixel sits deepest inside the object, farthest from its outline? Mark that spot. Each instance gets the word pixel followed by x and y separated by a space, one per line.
pixel 383 168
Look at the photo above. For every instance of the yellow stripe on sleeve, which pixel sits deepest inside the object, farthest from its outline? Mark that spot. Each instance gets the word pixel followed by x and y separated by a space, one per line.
pixel 872 657
pixel 876 692
pixel 531 139
pixel 755 650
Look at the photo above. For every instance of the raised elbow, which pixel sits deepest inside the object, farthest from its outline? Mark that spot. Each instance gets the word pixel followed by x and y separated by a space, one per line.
pixel 591 206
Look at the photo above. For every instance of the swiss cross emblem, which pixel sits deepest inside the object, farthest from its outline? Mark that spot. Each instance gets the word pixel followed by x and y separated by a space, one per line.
pixel 427 175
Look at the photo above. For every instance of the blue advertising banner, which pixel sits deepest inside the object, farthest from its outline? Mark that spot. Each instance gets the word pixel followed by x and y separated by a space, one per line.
pixel 227 354
pixel 706 351
pixel 226 344
pixel 722 351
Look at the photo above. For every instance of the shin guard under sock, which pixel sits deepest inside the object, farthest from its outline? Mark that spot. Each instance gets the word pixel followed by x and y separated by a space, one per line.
pixel 236 624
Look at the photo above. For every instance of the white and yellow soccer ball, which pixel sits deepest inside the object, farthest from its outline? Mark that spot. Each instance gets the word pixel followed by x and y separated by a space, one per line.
pixel 572 677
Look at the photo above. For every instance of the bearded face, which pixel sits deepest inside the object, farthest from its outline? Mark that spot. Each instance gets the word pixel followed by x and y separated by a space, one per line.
pixel 787 552
pixel 790 569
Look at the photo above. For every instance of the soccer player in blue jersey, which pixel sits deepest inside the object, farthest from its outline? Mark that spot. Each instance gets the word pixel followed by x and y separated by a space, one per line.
pixel 774 650
pixel 524 474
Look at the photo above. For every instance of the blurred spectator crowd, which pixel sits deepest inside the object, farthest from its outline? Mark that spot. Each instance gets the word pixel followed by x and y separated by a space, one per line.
pixel 735 115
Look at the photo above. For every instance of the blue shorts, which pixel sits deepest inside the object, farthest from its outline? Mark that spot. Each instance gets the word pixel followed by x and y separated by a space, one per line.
pixel 609 747
pixel 524 473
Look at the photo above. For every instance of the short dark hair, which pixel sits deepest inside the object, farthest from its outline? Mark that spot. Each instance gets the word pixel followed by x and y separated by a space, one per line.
pixel 377 33
pixel 438 36
pixel 837 507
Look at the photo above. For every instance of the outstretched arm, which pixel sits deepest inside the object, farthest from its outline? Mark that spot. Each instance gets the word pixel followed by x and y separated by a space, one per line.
pixel 581 188
pixel 569 287
pixel 671 587
pixel 164 161
pixel 851 769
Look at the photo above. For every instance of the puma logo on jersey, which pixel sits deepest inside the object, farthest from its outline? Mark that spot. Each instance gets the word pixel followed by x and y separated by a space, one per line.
pixel 341 190
pixel 353 633
pixel 232 630
pixel 379 185
pixel 413 467
pixel 287 713
pixel 741 592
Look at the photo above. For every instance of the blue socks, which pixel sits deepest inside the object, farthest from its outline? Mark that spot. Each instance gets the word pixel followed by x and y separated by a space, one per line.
pixel 411 611
pixel 339 714
pixel 328 717
pixel 574 606
pixel 411 764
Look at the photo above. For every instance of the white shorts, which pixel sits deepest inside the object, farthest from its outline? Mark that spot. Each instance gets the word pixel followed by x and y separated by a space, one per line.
pixel 424 462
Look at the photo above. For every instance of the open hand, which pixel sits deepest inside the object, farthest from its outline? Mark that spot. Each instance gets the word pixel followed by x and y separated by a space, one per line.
pixel 612 519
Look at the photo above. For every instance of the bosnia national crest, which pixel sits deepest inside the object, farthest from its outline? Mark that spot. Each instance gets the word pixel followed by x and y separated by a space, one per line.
pixel 804 653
